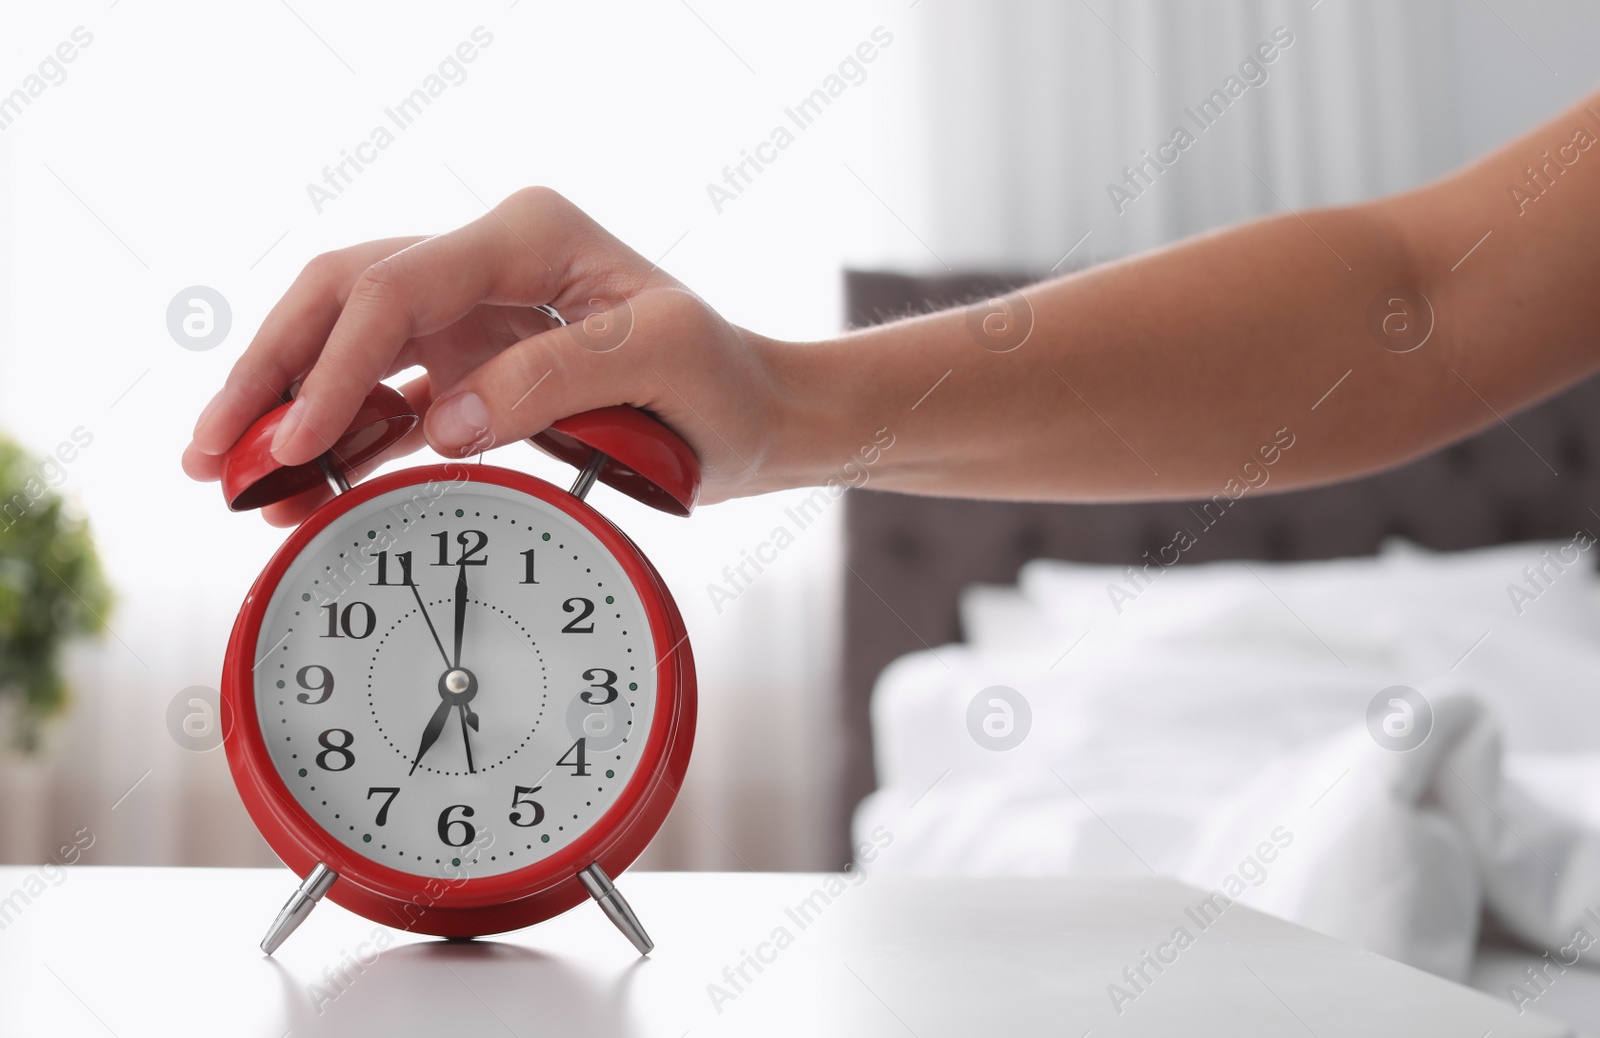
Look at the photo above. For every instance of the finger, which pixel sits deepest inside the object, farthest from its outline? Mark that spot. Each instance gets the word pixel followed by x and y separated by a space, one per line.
pixel 198 465
pixel 448 354
pixel 294 510
pixel 207 468
pixel 555 374
pixel 287 343
pixel 526 250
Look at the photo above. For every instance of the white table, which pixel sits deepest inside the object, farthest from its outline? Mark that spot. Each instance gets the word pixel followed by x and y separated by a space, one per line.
pixel 172 952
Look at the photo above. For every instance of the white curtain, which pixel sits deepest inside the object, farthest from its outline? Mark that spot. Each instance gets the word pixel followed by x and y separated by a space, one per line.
pixel 1023 111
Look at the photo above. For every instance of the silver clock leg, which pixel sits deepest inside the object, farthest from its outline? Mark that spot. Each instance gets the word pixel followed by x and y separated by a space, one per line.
pixel 299 905
pixel 615 906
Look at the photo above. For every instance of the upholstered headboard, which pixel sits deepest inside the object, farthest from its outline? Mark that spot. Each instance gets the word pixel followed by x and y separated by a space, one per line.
pixel 909 557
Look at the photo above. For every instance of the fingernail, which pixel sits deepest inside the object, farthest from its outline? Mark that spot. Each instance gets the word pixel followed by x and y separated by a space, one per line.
pixel 460 423
pixel 292 420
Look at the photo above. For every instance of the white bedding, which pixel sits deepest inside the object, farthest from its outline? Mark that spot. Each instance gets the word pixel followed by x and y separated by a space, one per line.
pixel 1214 727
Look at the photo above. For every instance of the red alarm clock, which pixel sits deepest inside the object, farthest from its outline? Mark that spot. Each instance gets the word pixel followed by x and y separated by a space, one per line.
pixel 459 700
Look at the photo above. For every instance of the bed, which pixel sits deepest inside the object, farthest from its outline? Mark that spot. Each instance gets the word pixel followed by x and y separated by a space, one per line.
pixel 1176 726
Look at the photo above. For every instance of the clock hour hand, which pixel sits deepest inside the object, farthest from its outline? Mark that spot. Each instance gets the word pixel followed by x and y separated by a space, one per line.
pixel 430 734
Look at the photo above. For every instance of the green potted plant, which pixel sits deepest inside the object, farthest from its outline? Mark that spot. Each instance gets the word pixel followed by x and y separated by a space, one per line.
pixel 51 590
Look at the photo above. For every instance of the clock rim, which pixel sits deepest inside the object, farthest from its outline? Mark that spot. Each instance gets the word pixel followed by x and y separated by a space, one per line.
pixel 486 904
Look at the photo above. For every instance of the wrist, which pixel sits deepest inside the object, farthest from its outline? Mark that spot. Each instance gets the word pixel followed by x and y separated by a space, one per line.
pixel 811 403
pixel 840 404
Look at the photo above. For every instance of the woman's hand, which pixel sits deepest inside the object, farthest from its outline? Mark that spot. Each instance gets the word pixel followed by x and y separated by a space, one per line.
pixel 461 305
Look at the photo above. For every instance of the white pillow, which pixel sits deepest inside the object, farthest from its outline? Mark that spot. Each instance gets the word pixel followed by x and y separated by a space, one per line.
pixel 1528 639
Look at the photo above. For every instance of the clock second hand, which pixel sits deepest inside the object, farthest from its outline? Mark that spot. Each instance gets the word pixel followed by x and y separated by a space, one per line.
pixel 466 712
pixel 429 620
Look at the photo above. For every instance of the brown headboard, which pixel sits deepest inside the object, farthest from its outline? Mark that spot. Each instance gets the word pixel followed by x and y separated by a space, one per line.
pixel 917 553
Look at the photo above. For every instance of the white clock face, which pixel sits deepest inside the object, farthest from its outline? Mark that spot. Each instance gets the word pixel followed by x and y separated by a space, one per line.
pixel 455 680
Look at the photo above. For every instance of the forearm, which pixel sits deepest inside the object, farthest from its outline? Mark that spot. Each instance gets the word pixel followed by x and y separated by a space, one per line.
pixel 1161 376
pixel 1153 377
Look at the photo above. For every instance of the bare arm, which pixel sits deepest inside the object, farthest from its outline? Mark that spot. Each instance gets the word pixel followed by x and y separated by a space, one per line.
pixel 1158 376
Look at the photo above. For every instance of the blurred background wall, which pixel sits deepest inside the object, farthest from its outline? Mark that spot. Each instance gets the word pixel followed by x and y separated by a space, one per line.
pixel 178 148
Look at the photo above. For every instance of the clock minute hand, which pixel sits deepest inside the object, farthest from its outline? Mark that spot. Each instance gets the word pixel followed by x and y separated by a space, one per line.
pixel 468 717
pixel 430 734
pixel 461 609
